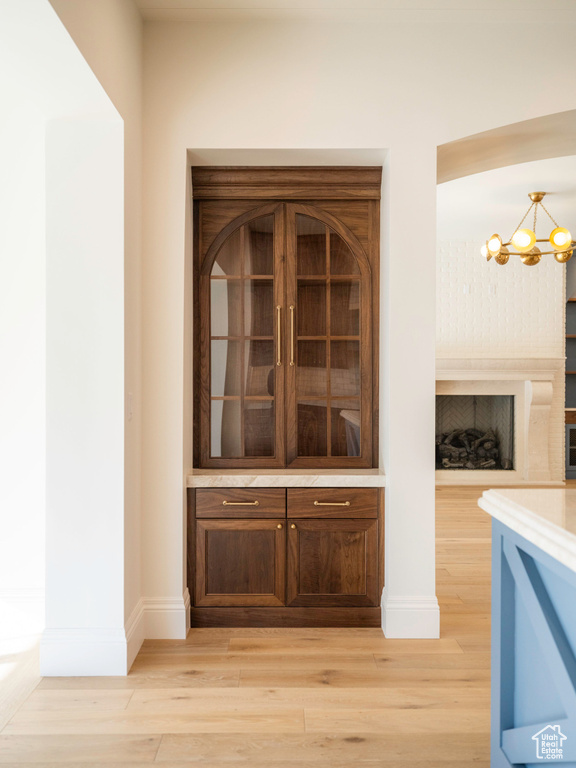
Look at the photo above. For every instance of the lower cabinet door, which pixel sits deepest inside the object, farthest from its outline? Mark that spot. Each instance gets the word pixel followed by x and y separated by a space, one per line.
pixel 332 563
pixel 240 562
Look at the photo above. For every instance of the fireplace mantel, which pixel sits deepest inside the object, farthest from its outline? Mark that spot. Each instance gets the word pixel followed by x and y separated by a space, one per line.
pixel 537 385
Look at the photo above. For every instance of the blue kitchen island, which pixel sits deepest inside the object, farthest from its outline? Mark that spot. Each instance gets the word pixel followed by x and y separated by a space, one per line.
pixel 533 627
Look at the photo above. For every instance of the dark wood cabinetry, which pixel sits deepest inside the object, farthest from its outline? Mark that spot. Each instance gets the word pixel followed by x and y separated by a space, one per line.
pixel 286 312
pixel 332 547
pixel 332 562
pixel 306 557
pixel 240 562
pixel 241 503
pixel 332 502
pixel 286 305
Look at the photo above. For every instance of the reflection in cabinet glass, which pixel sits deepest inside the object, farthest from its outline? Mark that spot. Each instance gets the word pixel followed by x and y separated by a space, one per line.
pixel 286 347
pixel 242 346
pixel 328 354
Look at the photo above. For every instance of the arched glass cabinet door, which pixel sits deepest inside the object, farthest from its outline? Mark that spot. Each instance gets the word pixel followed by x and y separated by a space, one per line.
pixel 242 404
pixel 329 376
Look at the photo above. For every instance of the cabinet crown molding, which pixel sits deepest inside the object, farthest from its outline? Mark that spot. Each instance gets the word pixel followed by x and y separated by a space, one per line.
pixel 289 182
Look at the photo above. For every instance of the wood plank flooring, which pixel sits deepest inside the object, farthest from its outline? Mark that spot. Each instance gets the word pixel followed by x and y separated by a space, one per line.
pixel 292 698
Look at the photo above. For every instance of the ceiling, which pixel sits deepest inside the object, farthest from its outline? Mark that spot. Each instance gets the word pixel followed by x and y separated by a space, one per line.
pixel 369 4
pixel 167 9
pixel 477 206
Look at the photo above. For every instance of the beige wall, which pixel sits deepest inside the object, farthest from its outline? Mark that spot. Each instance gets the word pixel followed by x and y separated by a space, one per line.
pixel 402 82
pixel 109 36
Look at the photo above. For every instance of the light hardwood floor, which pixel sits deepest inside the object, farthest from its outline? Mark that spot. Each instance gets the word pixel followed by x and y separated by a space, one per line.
pixel 333 698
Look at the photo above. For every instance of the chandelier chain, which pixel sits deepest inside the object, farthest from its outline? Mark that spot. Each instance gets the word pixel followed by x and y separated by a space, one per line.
pixel 550 215
pixel 535 214
pixel 522 220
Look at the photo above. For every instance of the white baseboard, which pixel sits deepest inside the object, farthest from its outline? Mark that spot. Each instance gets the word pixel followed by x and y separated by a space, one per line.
pixel 167 618
pixel 135 632
pixel 93 652
pixel 85 652
pixel 410 617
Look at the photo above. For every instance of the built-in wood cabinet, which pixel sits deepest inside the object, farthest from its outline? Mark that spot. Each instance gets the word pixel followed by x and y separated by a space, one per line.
pixel 286 309
pixel 240 547
pixel 332 562
pixel 311 555
pixel 240 562
pixel 332 547
pixel 286 304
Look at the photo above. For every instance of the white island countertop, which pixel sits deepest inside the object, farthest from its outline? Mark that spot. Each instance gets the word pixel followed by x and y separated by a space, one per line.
pixel 286 478
pixel 546 518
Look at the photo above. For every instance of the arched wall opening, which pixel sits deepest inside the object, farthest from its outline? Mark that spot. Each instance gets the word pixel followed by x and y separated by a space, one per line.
pixel 505 322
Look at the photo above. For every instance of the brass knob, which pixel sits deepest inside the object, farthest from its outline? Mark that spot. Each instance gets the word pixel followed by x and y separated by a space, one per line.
pixel 292 526
pixel 279 525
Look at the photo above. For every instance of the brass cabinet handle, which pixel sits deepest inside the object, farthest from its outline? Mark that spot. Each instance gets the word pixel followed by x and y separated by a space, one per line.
pixel 331 503
pixel 291 334
pixel 279 335
pixel 279 526
pixel 292 526
pixel 240 503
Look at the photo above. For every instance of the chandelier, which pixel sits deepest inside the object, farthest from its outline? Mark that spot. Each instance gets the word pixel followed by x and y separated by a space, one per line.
pixel 523 241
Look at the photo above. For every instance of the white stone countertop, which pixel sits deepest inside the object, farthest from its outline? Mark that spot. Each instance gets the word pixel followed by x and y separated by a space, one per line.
pixel 546 518
pixel 286 478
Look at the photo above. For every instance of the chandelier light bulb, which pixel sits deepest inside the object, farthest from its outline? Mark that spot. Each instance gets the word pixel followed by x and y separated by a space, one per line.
pixel 494 245
pixel 485 253
pixel 560 238
pixel 523 240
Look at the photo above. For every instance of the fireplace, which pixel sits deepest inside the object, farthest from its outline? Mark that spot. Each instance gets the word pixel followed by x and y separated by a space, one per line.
pixel 534 390
pixel 475 432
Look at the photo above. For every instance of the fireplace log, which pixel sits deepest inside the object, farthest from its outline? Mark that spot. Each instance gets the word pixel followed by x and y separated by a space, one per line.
pixel 483 439
pixel 469 449
pixel 450 437
pixel 447 464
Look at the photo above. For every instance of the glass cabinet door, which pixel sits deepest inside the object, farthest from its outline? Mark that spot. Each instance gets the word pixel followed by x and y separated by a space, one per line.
pixel 329 385
pixel 285 355
pixel 244 375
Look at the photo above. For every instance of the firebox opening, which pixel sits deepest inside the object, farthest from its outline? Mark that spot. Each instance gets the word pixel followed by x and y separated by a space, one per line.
pixel 475 432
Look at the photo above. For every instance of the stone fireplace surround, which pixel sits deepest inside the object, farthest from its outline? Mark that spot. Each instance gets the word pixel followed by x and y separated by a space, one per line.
pixel 537 385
